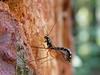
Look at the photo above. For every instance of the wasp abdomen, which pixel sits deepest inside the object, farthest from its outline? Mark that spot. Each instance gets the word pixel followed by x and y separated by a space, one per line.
pixel 67 53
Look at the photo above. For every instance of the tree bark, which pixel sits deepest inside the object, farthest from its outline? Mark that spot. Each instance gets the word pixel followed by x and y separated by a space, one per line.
pixel 36 19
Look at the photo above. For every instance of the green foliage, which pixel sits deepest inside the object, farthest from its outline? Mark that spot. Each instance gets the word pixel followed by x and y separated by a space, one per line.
pixel 86 43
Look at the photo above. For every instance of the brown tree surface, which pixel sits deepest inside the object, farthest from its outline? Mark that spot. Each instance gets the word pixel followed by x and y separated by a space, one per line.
pixel 8 35
pixel 36 18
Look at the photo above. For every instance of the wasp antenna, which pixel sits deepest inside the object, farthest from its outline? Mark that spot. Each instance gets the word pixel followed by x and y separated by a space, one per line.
pixel 51 29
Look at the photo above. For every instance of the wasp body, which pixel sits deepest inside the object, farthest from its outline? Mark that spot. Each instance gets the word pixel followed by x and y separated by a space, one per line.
pixel 67 53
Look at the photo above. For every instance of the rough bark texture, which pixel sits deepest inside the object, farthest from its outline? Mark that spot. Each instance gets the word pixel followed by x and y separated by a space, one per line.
pixel 36 18
pixel 8 35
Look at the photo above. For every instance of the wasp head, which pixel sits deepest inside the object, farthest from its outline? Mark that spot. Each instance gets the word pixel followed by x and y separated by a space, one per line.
pixel 48 41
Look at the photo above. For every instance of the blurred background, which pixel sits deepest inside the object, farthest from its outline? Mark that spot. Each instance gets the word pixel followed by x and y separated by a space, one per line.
pixel 86 31
pixel 38 16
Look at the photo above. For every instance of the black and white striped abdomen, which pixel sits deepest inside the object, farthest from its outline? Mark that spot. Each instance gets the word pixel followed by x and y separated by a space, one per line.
pixel 67 53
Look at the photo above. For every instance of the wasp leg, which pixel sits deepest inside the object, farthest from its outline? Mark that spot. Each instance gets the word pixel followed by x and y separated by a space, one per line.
pixel 40 47
pixel 41 58
pixel 38 59
pixel 46 61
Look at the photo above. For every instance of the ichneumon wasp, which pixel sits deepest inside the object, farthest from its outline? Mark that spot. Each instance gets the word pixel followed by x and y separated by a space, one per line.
pixel 66 53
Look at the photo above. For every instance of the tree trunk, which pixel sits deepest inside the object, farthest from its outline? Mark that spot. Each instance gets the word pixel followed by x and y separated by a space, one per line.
pixel 36 19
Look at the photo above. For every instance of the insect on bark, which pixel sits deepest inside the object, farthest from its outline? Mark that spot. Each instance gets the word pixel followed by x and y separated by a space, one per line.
pixel 65 52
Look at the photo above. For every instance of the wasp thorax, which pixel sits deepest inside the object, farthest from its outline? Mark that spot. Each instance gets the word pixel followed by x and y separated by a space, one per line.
pixel 48 41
